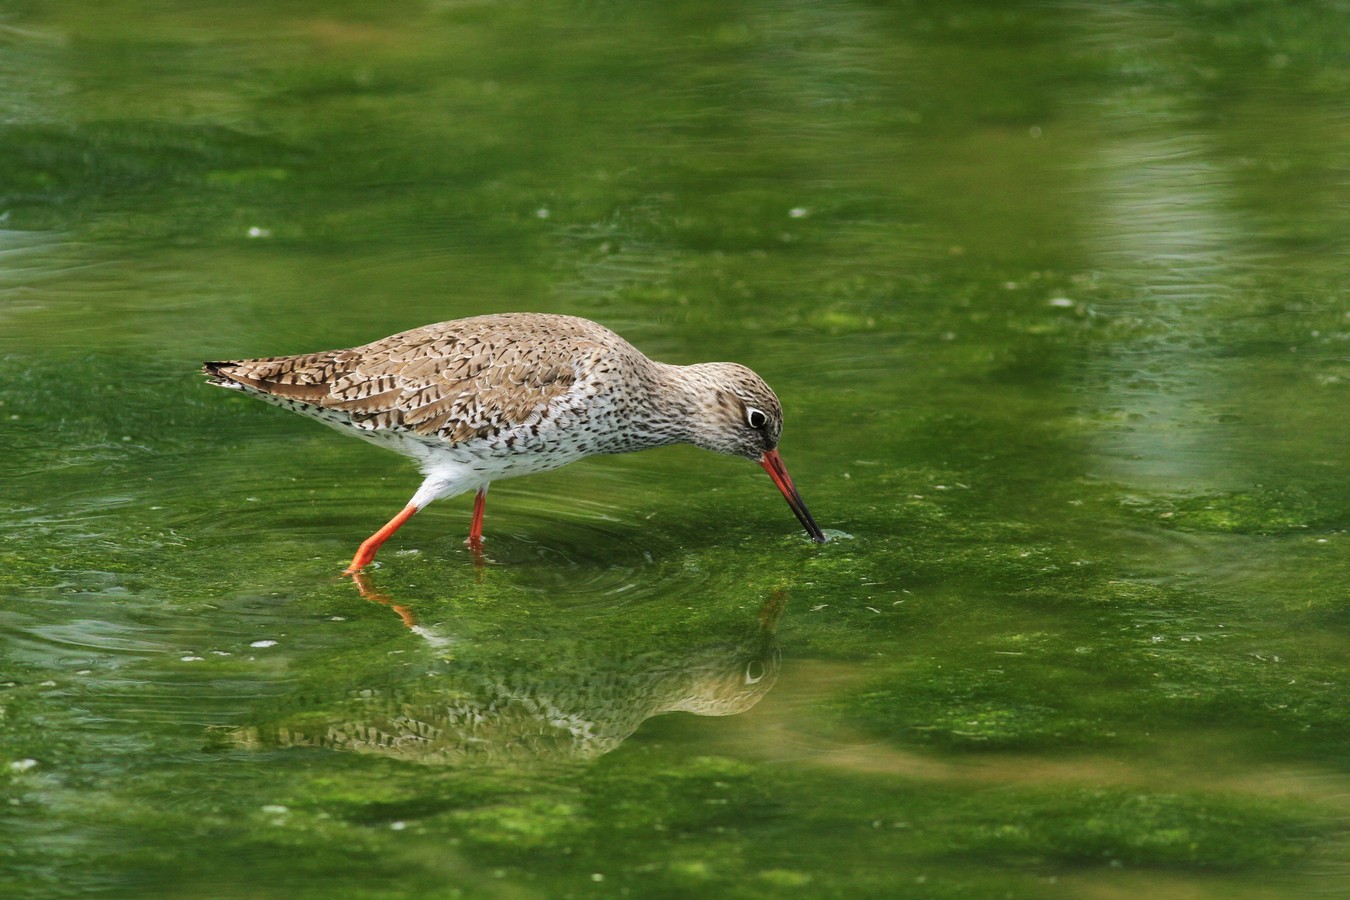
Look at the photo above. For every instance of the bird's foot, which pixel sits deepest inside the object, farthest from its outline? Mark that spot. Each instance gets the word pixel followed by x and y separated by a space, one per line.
pixel 475 545
pixel 364 557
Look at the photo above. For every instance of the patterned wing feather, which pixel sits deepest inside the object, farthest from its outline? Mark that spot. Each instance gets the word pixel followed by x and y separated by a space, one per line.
pixel 437 380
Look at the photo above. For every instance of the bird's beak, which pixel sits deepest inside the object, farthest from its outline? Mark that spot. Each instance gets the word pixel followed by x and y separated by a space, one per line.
pixel 773 464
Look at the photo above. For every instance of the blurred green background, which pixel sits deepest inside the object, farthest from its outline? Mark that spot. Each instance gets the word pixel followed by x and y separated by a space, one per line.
pixel 1053 295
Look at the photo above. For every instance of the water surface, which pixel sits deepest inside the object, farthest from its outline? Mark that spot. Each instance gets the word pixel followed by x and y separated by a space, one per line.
pixel 1053 295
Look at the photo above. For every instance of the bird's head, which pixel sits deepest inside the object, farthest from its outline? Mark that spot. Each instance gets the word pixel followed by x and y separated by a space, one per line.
pixel 738 414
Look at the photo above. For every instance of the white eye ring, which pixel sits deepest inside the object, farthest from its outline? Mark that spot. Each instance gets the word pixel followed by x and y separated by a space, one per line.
pixel 755 417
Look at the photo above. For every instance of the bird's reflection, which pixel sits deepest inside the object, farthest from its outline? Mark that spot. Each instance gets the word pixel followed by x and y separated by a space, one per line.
pixel 494 710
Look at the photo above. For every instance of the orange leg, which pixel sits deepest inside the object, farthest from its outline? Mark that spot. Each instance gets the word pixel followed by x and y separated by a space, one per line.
pixel 372 544
pixel 475 540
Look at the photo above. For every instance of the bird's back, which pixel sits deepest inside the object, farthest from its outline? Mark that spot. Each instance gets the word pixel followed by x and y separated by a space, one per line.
pixel 453 380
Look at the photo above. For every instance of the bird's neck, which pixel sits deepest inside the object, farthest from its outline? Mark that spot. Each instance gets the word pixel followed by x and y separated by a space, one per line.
pixel 681 400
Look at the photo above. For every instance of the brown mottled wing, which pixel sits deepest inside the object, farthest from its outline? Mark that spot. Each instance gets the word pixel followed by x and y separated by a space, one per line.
pixel 433 381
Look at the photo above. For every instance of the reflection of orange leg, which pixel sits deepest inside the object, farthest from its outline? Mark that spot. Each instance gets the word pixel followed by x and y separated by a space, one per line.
pixel 772 609
pixel 372 544
pixel 368 592
pixel 475 540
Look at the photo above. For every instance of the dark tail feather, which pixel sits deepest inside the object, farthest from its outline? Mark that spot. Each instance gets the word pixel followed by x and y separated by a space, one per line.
pixel 219 377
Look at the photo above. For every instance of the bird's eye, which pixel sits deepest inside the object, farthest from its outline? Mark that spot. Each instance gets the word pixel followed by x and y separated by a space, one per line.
pixel 756 418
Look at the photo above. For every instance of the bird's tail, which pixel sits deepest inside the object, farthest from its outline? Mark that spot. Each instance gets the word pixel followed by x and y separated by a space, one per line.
pixel 221 377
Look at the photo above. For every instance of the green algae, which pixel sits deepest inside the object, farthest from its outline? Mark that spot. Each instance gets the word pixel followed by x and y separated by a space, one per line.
pixel 1258 511
pixel 1052 296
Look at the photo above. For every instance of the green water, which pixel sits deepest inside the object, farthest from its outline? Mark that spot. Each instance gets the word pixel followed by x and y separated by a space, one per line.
pixel 1054 296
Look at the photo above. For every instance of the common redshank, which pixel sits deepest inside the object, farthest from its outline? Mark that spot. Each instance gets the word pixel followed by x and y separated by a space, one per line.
pixel 490 397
